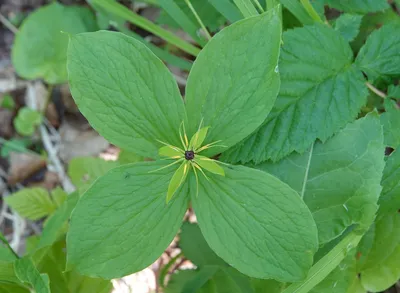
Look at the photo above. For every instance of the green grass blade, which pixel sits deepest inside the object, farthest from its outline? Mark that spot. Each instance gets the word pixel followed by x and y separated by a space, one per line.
pixel 326 264
pixel 181 19
pixel 160 53
pixel 121 11
pixel 246 7
pixel 295 7
pixel 198 19
pixel 310 10
pixel 227 9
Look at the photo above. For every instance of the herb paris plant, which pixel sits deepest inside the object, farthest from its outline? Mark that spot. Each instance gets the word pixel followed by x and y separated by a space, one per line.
pixel 252 220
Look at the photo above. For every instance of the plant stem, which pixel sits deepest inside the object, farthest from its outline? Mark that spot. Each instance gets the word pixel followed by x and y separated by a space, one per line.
pixel 326 265
pixel 246 7
pixel 310 10
pixel 258 5
pixel 121 11
pixel 375 90
pixel 8 24
pixel 48 98
pixel 198 19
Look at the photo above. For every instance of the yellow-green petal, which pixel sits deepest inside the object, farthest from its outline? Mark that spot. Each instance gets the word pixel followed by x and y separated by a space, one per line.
pixel 209 165
pixel 170 151
pixel 198 138
pixel 177 179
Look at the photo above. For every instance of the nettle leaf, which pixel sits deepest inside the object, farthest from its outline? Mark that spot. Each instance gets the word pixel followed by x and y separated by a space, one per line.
pixel 391 124
pixel 350 178
pixel 348 25
pixel 131 99
pixel 256 223
pixel 380 54
pixel 28 273
pixel 40 47
pixel 32 203
pixel 381 269
pixel 234 82
pixel 83 171
pixel 390 197
pixel 195 247
pixel 358 6
pixel 321 91
pixel 123 220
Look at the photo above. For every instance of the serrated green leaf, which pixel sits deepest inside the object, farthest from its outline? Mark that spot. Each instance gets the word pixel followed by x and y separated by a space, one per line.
pixel 28 273
pixel 358 6
pixel 195 247
pixel 380 55
pixel 390 197
pixel 350 178
pixel 124 221
pixel 320 92
pixel 40 49
pixel 381 269
pixel 32 203
pixel 252 220
pixel 83 171
pixel 348 25
pixel 391 124
pixel 115 94
pixel 394 92
pixel 233 82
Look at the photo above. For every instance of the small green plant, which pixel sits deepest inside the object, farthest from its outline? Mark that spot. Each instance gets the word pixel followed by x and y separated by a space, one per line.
pixel 27 120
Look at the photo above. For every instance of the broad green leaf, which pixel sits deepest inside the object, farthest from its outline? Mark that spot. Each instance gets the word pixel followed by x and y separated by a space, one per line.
pixel 126 157
pixel 200 279
pixel 131 99
pixel 381 270
pixel 224 282
pixel 28 273
pixel 123 221
pixel 234 82
pixel 348 25
pixel 55 225
pixel 358 6
pixel 267 286
pixel 12 288
pixel 210 165
pixel 82 284
pixel 256 223
pixel 40 47
pixel 83 171
pixel 177 179
pixel 390 197
pixel 7 273
pixel 320 92
pixel 32 203
pixel 350 178
pixel 391 124
pixel 195 247
pixel 379 56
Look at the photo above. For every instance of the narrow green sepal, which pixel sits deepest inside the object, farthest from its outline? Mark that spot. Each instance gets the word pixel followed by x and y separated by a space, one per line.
pixel 177 179
pixel 209 165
